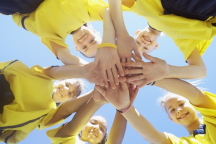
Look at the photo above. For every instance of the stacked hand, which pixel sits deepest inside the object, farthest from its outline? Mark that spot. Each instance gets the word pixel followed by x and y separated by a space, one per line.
pixel 142 72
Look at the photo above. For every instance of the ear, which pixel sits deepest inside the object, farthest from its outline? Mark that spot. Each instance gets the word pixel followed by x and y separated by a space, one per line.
pixel 77 49
pixel 156 46
pixel 170 118
pixel 137 32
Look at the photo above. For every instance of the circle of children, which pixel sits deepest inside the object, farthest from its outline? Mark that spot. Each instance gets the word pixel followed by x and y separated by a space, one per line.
pixel 117 71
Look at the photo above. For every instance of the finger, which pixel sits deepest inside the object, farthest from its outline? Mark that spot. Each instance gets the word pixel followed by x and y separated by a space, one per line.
pixel 137 82
pixel 94 64
pixel 115 75
pixel 110 78
pixel 134 71
pixel 123 60
pixel 104 77
pixel 101 90
pixel 128 59
pixel 148 57
pixel 120 69
pixel 99 82
pixel 136 58
pixel 134 78
pixel 122 79
pixel 134 64
pixel 137 53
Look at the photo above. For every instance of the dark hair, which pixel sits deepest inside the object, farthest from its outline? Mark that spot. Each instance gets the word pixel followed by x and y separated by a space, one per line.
pixel 103 141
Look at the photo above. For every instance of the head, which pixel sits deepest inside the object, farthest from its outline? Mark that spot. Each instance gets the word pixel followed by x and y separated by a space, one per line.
pixel 95 131
pixel 86 41
pixel 64 90
pixel 179 109
pixel 146 40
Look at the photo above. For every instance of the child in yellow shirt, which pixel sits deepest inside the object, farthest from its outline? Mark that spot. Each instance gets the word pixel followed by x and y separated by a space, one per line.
pixel 34 98
pixel 186 26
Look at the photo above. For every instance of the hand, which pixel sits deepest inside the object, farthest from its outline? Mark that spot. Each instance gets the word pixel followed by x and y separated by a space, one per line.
pixel 154 70
pixel 133 90
pixel 92 74
pixel 118 97
pixel 108 61
pixel 98 97
pixel 125 45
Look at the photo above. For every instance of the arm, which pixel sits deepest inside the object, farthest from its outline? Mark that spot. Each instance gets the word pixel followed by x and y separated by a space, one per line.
pixel 65 56
pixel 117 131
pixel 88 72
pixel 187 90
pixel 195 69
pixel 107 57
pixel 70 107
pixel 80 119
pixel 145 128
pixel 125 42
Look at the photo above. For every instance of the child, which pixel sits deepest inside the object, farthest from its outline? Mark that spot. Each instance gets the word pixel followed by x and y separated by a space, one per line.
pixel 181 110
pixel 34 98
pixel 191 34
pixel 70 17
pixel 95 131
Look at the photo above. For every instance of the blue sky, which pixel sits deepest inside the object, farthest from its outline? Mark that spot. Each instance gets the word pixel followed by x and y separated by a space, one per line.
pixel 17 43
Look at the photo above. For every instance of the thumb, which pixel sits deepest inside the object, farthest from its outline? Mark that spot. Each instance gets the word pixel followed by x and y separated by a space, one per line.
pixel 148 57
pixel 137 52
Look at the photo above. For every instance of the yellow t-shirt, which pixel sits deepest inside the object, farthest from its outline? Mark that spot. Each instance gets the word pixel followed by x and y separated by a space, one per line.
pixel 209 119
pixel 53 20
pixel 59 140
pixel 186 33
pixel 33 103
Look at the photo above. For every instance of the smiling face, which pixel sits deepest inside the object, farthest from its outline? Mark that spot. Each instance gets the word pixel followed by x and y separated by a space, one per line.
pixel 64 90
pixel 86 41
pixel 146 40
pixel 180 110
pixel 95 130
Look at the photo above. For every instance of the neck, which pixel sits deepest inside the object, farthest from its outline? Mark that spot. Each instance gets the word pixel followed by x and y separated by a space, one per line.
pixel 194 126
pixel 154 31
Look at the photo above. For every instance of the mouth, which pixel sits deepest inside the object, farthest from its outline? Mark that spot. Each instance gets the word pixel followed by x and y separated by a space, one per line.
pixel 147 38
pixel 183 116
pixel 82 37
pixel 93 134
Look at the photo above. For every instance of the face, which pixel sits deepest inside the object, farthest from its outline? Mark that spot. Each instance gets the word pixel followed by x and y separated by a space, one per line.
pixel 86 41
pixel 95 130
pixel 146 40
pixel 63 91
pixel 180 111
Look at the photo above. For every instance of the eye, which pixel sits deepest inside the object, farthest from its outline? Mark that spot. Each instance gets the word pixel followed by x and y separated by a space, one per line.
pixel 102 129
pixel 92 41
pixel 84 47
pixel 172 110
pixel 137 42
pixel 145 48
pixel 182 104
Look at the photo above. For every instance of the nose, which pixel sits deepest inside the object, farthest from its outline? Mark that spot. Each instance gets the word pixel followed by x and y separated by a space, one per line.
pixel 179 110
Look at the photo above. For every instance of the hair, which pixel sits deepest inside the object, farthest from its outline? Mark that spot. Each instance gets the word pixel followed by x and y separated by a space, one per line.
pixel 163 99
pixel 103 141
pixel 79 87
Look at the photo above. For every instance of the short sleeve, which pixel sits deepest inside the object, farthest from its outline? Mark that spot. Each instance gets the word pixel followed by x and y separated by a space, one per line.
pixel 47 118
pixel 182 140
pixel 63 140
pixel 38 71
pixel 209 115
pixel 187 46
pixel 46 41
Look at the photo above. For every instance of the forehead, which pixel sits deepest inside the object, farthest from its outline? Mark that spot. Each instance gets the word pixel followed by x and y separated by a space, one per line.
pixel 100 120
pixel 173 100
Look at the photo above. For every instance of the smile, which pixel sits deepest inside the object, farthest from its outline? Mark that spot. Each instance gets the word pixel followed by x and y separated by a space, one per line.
pixel 147 39
pixel 183 116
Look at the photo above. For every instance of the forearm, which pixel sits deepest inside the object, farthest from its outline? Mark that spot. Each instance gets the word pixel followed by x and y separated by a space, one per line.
pixel 144 127
pixel 80 119
pixel 117 17
pixel 182 88
pixel 70 107
pixel 65 72
pixel 187 72
pixel 117 131
pixel 108 28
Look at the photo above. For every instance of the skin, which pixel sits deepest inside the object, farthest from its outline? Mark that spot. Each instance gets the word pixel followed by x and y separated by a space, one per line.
pixel 63 91
pixel 95 130
pixel 181 112
pixel 86 41
pixel 146 40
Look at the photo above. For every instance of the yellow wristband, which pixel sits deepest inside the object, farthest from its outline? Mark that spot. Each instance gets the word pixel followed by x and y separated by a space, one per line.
pixel 107 45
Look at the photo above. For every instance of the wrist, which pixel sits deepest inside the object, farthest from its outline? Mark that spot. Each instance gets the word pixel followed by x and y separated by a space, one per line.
pixel 124 110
